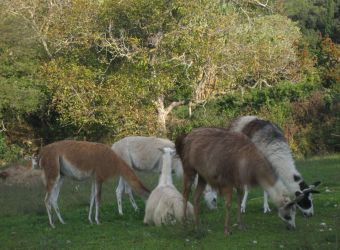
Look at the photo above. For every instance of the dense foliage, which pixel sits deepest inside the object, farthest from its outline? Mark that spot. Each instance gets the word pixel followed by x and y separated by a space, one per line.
pixel 101 70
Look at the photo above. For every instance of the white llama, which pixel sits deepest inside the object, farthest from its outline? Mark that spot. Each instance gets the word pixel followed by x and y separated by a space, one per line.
pixel 165 204
pixel 142 154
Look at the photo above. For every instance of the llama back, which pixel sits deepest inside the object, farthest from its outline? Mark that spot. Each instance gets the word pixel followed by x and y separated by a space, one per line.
pixel 141 152
pixel 81 159
pixel 270 140
pixel 209 149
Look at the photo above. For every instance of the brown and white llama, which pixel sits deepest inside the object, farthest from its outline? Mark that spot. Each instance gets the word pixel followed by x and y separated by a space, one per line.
pixel 165 204
pixel 82 160
pixel 270 140
pixel 228 160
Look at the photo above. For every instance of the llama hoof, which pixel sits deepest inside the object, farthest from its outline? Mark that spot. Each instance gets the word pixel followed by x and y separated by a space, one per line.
pixel 266 210
pixel 98 222
pixel 227 232
pixel 243 210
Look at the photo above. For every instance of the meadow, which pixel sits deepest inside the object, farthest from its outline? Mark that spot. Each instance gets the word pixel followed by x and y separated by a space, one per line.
pixel 24 223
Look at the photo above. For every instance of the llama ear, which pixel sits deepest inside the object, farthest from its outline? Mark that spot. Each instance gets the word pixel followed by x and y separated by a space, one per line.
pixel 315 184
pixel 311 188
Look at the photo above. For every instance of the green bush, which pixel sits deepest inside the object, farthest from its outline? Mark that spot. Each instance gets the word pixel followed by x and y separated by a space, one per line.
pixel 306 112
pixel 8 153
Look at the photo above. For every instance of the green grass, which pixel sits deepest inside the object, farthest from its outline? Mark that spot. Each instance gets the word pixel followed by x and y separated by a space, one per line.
pixel 24 223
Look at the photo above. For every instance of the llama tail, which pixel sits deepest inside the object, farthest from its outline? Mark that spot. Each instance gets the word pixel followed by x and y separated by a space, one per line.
pixel 179 144
pixel 131 178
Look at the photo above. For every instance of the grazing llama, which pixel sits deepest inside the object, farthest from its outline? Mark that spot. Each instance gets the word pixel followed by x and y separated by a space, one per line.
pixel 270 140
pixel 26 173
pixel 143 154
pixel 82 160
pixel 165 204
pixel 228 160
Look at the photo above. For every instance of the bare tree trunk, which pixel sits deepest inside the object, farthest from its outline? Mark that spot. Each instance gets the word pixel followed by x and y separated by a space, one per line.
pixel 190 109
pixel 163 111
pixel 44 43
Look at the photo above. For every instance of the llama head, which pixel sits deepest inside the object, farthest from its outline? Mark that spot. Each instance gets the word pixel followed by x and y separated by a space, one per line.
pixel 176 162
pixel 210 197
pixel 168 150
pixel 304 203
pixel 32 161
pixel 287 214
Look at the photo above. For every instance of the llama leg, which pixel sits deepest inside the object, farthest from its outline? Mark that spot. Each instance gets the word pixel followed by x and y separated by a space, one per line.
pixel 54 198
pixel 244 200
pixel 49 207
pixel 227 193
pixel 119 194
pixel 186 191
pixel 240 194
pixel 93 193
pixel 50 182
pixel 98 189
pixel 201 184
pixel 266 207
pixel 128 190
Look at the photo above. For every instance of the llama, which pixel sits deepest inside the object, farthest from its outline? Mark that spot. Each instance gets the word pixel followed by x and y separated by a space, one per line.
pixel 165 203
pixel 270 140
pixel 82 160
pixel 143 154
pixel 26 173
pixel 229 160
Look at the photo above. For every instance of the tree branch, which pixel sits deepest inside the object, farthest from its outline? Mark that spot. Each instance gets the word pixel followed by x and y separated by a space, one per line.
pixel 173 105
pixel 3 129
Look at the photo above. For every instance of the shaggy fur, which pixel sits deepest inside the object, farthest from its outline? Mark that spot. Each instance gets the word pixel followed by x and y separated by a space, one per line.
pixel 270 140
pixel 143 154
pixel 228 160
pixel 165 204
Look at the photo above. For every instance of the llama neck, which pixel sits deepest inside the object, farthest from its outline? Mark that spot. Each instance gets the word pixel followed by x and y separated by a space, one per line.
pixel 166 178
pixel 278 193
pixel 283 164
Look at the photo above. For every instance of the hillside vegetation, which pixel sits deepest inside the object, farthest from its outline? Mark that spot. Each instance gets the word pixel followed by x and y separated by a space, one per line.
pixel 102 70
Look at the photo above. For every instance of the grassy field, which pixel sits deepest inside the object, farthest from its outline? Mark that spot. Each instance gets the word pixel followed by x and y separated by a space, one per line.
pixel 24 223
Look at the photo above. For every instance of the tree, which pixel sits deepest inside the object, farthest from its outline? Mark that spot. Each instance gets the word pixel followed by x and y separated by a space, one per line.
pixel 314 17
pixel 21 95
pixel 57 25
pixel 144 59
pixel 202 49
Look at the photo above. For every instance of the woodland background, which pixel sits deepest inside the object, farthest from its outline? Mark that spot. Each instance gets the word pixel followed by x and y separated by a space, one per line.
pixel 100 70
